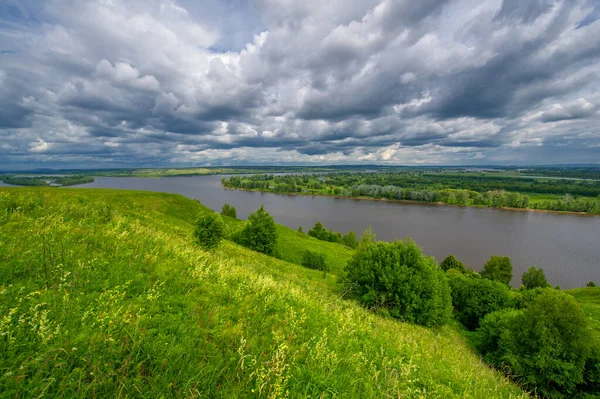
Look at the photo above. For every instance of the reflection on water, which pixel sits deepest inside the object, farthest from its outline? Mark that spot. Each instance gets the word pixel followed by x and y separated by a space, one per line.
pixel 566 246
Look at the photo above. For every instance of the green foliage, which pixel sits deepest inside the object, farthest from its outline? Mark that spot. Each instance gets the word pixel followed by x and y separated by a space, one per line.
pixel 38 181
pixel 321 233
pixel 367 238
pixel 457 188
pixel 260 234
pixel 398 278
pixel 498 268
pixel 535 278
pixel 545 346
pixel 349 240
pixel 209 230
pixel 300 230
pixel 474 297
pixel 229 210
pixel 133 308
pixel 315 260
pixel 590 284
pixel 452 263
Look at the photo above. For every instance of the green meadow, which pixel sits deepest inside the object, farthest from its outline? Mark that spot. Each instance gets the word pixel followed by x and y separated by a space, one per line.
pixel 104 293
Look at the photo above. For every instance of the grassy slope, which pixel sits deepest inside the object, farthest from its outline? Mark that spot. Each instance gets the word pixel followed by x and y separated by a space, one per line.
pixel 589 298
pixel 104 293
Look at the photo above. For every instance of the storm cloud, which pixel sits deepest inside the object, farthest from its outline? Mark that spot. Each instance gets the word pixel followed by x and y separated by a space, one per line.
pixel 113 83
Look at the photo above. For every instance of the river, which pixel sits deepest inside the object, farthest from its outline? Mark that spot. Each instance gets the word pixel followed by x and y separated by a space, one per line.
pixel 566 246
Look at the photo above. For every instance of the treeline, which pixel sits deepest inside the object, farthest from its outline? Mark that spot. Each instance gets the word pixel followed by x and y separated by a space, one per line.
pixel 416 189
pixel 39 181
pixel 426 180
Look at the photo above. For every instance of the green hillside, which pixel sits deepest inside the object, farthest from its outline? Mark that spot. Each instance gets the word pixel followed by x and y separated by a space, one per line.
pixel 104 293
pixel 589 298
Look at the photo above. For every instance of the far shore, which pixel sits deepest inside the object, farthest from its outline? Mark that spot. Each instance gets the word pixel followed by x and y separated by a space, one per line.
pixel 361 198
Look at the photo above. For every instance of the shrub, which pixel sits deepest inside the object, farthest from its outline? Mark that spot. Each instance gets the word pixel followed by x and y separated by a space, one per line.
pixel 210 230
pixel 260 234
pixel 591 284
pixel 349 240
pixel 545 346
pixel 314 260
pixel 474 297
pixel 534 278
pixel 498 268
pixel 452 263
pixel 397 277
pixel 300 230
pixel 229 210
pixel 321 233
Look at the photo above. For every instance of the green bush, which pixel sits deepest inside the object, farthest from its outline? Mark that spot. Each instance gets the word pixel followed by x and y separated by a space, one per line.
pixel 452 263
pixel 544 346
pixel 210 230
pixel 474 297
pixel 315 260
pixel 534 278
pixel 498 268
pixel 397 277
pixel 321 233
pixel 260 234
pixel 591 284
pixel 229 210
pixel 349 240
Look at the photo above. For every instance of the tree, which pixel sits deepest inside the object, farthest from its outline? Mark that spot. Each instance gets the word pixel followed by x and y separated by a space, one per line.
pixel 210 230
pixel 452 263
pixel 546 345
pixel 397 278
pixel 314 260
pixel 591 284
pixel 300 230
pixel 349 239
pixel 229 210
pixel 498 268
pixel 260 234
pixel 534 278
pixel 367 238
pixel 474 297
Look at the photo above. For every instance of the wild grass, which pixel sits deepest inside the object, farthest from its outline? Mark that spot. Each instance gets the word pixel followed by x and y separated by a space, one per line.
pixel 589 298
pixel 104 293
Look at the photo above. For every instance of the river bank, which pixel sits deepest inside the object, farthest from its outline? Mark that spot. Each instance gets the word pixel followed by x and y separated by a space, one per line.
pixel 439 203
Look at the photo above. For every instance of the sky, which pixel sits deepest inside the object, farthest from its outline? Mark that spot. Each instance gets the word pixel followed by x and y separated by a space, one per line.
pixel 141 83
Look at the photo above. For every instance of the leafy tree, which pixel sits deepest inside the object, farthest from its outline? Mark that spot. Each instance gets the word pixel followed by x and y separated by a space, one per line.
pixel 452 263
pixel 300 230
pixel 314 260
pixel 498 268
pixel 323 234
pixel 210 230
pixel 397 278
pixel 591 284
pixel 367 238
pixel 229 210
pixel 260 234
pixel 349 239
pixel 474 297
pixel 546 345
pixel 534 278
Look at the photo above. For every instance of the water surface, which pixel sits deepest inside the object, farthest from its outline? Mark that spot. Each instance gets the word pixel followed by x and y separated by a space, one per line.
pixel 566 246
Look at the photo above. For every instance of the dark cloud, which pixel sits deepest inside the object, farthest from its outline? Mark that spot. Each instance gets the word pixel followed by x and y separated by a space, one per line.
pixel 394 81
